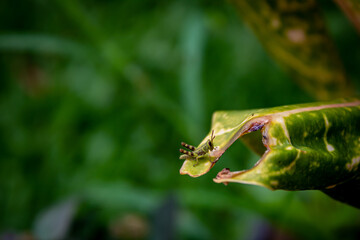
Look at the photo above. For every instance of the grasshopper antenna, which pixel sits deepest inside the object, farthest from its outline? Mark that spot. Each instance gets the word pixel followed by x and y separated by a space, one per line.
pixel 212 135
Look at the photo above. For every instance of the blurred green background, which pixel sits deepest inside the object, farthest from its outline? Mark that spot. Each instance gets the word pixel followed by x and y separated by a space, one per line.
pixel 96 97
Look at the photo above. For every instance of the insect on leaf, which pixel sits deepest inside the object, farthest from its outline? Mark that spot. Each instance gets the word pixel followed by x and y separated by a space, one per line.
pixel 302 147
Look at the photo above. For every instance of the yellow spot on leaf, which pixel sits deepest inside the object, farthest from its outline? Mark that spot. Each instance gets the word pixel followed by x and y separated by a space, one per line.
pixel 329 147
pixel 296 35
pixel 275 23
pixel 354 163
pixel 274 183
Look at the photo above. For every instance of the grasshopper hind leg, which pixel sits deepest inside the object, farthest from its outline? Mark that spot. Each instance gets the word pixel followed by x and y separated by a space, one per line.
pixel 188 146
pixel 191 155
pixel 186 152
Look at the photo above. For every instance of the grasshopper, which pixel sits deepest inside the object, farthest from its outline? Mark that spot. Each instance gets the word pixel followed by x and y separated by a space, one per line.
pixel 198 152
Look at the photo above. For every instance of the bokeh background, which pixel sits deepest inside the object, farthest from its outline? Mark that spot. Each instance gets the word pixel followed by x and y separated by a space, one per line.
pixel 96 97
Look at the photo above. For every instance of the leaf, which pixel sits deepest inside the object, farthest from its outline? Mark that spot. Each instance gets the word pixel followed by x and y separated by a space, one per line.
pixel 294 34
pixel 352 10
pixel 303 147
pixel 54 222
pixel 38 43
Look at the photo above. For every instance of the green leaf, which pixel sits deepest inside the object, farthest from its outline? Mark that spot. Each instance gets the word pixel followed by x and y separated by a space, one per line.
pixel 303 147
pixel 294 34
pixel 39 43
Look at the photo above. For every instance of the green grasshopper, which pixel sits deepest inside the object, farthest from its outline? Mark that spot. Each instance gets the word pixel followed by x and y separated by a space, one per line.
pixel 198 152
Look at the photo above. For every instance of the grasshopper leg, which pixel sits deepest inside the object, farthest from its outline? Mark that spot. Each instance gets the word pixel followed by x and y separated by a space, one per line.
pixel 197 161
pixel 186 152
pixel 190 147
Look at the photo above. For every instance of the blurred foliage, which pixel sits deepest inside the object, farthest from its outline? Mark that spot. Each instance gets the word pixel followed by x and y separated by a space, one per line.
pixel 294 33
pixel 352 10
pixel 95 98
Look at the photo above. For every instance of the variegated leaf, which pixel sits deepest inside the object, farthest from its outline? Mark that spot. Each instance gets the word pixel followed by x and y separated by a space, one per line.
pixel 352 10
pixel 294 34
pixel 305 146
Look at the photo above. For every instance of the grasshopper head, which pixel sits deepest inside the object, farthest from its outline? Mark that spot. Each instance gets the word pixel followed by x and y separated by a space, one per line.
pixel 210 144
